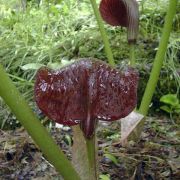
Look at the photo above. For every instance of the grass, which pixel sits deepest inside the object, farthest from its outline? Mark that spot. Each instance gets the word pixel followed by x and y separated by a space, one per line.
pixel 68 30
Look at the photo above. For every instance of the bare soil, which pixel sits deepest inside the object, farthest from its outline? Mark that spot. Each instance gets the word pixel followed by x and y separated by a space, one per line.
pixel 155 156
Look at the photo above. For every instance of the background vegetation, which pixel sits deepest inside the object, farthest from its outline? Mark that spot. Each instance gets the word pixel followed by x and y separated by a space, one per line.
pixel 42 32
pixel 35 32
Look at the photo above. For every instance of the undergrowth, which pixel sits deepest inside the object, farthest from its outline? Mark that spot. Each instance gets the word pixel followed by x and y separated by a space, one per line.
pixel 48 33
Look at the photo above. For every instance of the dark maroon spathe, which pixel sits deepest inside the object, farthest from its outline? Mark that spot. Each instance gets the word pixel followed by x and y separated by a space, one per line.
pixel 84 92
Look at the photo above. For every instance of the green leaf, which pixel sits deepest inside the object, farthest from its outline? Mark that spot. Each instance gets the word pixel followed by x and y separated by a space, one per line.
pixel 58 65
pixel 55 65
pixel 68 140
pixel 65 62
pixel 115 136
pixel 31 66
pixel 177 107
pixel 104 177
pixel 166 108
pixel 177 110
pixel 170 99
pixel 112 158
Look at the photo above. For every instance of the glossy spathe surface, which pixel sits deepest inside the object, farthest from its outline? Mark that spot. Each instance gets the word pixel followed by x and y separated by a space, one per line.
pixel 123 13
pixel 114 12
pixel 86 91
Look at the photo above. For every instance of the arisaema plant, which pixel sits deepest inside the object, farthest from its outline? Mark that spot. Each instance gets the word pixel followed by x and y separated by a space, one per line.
pixel 83 93
pixel 87 91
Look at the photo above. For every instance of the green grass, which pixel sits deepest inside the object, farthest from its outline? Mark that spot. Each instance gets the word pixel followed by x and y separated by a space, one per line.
pixel 68 30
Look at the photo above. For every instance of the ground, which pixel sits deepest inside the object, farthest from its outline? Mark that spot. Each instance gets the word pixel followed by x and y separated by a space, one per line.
pixel 156 156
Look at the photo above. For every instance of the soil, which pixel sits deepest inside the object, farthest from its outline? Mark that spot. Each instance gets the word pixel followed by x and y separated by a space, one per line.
pixel 155 156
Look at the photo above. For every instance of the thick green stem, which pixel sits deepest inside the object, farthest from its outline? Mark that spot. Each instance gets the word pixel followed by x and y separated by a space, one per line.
pixel 92 156
pixel 132 60
pixel 158 62
pixel 103 33
pixel 27 118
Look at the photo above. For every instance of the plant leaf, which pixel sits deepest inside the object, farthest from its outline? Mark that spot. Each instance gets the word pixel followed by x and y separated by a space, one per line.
pixel 112 158
pixel 170 99
pixel 104 177
pixel 32 66
pixel 58 65
pixel 166 108
pixel 55 65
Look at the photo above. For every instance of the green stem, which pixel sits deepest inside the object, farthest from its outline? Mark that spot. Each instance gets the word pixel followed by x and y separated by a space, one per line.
pixel 158 62
pixel 132 54
pixel 103 33
pixel 91 150
pixel 39 134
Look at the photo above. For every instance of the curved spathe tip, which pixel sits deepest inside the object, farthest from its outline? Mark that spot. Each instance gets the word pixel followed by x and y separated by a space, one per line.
pixel 123 13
